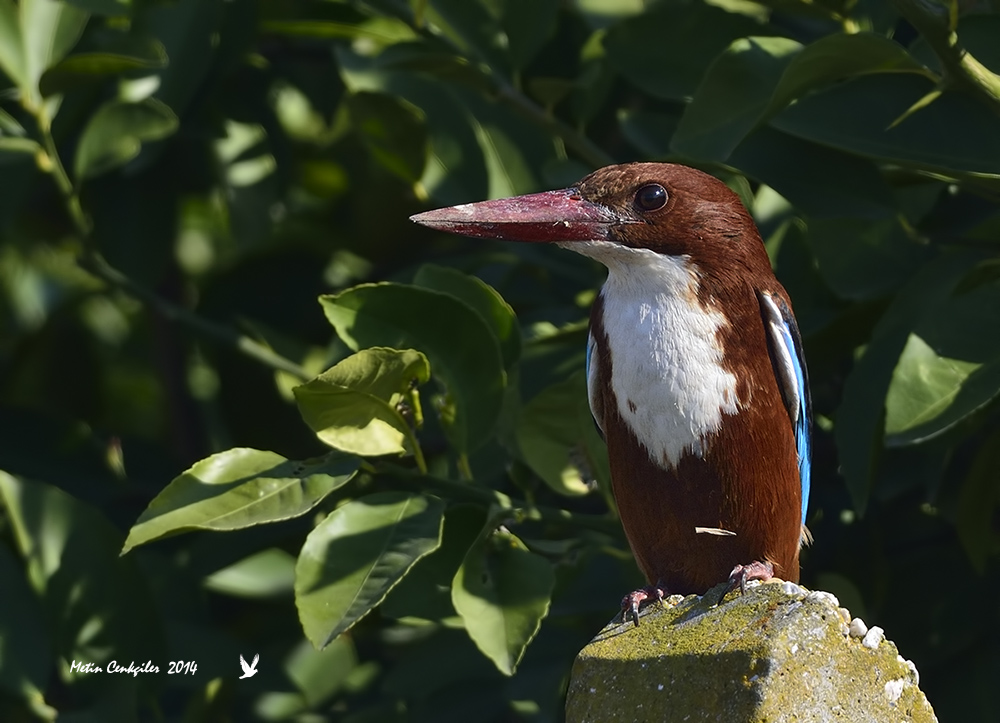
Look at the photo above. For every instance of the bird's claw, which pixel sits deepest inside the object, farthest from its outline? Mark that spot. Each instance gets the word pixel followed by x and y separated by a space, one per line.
pixel 632 602
pixel 741 574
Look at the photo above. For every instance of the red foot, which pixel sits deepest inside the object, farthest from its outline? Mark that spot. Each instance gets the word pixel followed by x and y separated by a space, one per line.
pixel 741 574
pixel 633 601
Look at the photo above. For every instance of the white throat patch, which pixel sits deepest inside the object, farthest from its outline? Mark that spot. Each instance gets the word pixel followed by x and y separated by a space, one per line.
pixel 668 380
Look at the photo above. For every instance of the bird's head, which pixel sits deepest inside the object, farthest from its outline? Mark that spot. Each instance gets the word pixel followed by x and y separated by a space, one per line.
pixel 663 207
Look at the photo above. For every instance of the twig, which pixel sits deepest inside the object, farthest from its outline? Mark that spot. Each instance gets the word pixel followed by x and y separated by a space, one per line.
pixel 92 262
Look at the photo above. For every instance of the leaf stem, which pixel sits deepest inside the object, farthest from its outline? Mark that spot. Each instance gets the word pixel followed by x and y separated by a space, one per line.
pixel 95 264
pixel 959 67
pixel 576 141
pixel 519 509
pixel 54 166
pixel 507 94
pixel 418 454
pixel 464 469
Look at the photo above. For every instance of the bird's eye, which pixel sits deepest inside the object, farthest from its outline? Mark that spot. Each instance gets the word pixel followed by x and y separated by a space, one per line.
pixel 651 197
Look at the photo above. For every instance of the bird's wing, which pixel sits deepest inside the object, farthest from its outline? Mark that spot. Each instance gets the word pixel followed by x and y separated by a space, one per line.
pixel 593 385
pixel 255 659
pixel 788 360
pixel 246 668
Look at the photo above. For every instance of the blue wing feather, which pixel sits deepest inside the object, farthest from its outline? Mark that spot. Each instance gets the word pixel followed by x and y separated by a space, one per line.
pixel 591 373
pixel 789 364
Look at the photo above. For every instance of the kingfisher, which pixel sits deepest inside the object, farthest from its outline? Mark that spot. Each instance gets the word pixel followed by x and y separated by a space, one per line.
pixel 695 370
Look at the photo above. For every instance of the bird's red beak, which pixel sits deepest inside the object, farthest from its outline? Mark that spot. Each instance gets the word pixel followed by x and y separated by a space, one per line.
pixel 538 217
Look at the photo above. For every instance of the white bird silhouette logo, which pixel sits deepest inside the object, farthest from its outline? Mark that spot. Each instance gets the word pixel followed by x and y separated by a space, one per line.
pixel 249 670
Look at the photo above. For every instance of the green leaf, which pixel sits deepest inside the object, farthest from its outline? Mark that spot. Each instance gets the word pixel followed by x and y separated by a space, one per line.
pixel 11 43
pixel 357 554
pixel 111 8
pixel 354 406
pixel 95 66
pixel 49 29
pixel 839 56
pixel 445 67
pixel 556 436
pixel 860 417
pixel 930 393
pixel 648 131
pixel 861 258
pixel 483 299
pixel 463 352
pixel 830 117
pixel 318 674
pixel 425 592
pixel 239 488
pixel 819 181
pixel 977 503
pixel 393 130
pixel 382 30
pixel 732 97
pixel 666 50
pixel 17 147
pixel 265 574
pixel 24 642
pixel 502 591
pixel 472 26
pixel 528 25
pixel 116 132
pixel 73 566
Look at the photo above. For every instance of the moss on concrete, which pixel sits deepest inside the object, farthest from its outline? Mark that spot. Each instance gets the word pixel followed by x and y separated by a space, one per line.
pixel 778 654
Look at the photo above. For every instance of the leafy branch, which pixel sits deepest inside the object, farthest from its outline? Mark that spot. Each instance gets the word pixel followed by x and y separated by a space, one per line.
pixel 95 264
pixel 937 24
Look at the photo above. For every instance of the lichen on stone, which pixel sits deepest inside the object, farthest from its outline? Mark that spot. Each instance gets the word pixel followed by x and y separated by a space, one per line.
pixel 779 653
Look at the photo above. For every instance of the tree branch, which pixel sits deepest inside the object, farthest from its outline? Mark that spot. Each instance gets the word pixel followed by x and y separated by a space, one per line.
pixel 92 262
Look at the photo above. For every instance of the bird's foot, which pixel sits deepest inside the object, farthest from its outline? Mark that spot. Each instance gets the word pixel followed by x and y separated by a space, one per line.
pixel 742 574
pixel 632 602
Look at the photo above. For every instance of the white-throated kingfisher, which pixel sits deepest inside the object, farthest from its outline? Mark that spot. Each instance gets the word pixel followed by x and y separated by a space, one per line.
pixel 695 370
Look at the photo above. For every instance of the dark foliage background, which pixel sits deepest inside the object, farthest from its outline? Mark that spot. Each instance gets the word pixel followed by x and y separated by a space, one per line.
pixel 182 180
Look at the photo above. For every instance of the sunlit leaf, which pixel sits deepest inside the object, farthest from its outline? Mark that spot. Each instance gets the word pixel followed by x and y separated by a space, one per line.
pixel 425 592
pixel 115 134
pixel 264 574
pixel 49 30
pixel 556 436
pixel 355 406
pixel 11 43
pixel 732 96
pixel 17 147
pixel 483 299
pixel 352 559
pixel 502 591
pixel 839 56
pixel 72 72
pixel 930 393
pixel 236 489
pixel 860 417
pixel 402 316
